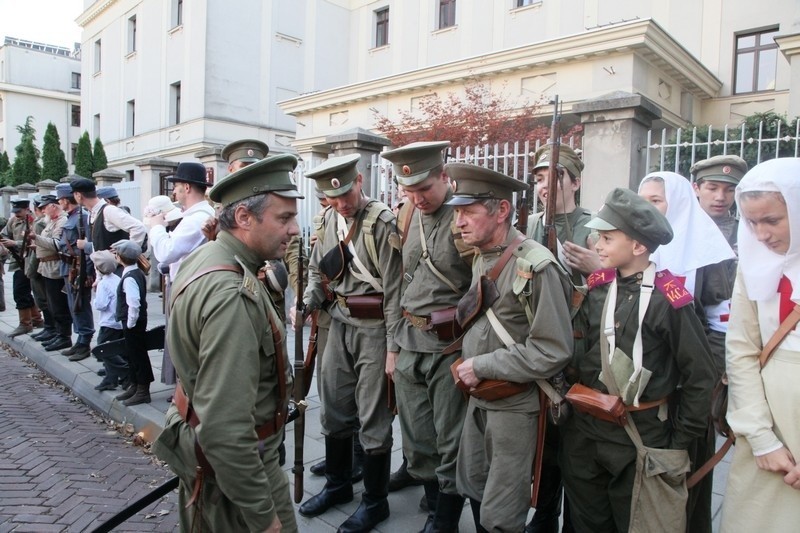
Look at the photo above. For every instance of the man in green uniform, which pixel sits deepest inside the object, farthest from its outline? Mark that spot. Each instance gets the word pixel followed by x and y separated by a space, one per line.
pixel 13 238
pixel 519 333
pixel 598 459
pixel 358 256
pixel 227 345
pixel 435 276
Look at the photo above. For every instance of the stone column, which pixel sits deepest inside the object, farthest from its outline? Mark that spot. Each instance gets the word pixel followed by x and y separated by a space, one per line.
pixel 46 187
pixel 5 207
pixel 26 190
pixel 790 47
pixel 108 177
pixel 359 141
pixel 216 167
pixel 614 131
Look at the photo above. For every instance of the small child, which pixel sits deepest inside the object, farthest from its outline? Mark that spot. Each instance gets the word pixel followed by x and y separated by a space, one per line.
pixel 654 343
pixel 132 312
pixel 105 301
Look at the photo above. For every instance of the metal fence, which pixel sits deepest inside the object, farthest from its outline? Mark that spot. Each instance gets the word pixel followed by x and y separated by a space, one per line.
pixel 676 150
pixel 130 196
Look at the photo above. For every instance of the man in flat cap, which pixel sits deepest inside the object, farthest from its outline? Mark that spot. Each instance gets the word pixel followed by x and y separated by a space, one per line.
pixel 172 247
pixel 111 196
pixel 220 309
pixel 517 330
pixel 48 250
pixel 646 319
pixel 355 272
pixel 13 238
pixel 109 223
pixel 77 271
pixel 437 271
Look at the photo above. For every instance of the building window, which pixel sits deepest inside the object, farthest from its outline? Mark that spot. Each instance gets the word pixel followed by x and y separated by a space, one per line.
pixel 96 126
pixel 130 175
pixel 76 80
pixel 73 148
pixel 98 49
pixel 76 116
pixel 1 110
pixel 2 145
pixel 132 34
pixel 131 122
pixel 756 61
pixel 177 13
pixel 523 3
pixel 175 103
pixel 382 27
pixel 447 13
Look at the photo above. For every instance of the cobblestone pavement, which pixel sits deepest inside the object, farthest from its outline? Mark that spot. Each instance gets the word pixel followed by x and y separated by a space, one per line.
pixel 62 466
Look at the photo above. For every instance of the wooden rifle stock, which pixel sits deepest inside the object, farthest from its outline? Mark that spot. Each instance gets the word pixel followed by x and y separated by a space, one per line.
pixel 80 282
pixel 299 386
pixel 552 183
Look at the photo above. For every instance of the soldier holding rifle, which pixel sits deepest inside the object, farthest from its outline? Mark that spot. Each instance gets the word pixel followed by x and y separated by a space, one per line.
pixel 14 238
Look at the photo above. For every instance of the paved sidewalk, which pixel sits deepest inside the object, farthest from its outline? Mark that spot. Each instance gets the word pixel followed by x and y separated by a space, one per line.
pixel 81 377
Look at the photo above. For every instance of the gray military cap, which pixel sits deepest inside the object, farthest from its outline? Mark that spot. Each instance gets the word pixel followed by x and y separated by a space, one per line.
pixel 725 168
pixel 270 175
pixel 473 183
pixel 245 150
pixel 127 249
pixel 567 158
pixel 63 190
pixel 413 162
pixel 634 216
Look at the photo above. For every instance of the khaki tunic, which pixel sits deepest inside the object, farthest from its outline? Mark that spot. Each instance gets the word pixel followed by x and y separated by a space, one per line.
pixel 497 445
pixel 223 350
pixel 353 381
pixel 431 408
pixel 47 245
pixel 764 412
pixel 15 230
pixel 598 458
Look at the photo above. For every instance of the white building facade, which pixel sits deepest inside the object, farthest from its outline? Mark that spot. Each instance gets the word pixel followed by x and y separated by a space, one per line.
pixel 44 82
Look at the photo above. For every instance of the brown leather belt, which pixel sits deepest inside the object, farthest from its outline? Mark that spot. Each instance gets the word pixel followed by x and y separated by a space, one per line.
pixel 644 406
pixel 419 322
pixel 49 258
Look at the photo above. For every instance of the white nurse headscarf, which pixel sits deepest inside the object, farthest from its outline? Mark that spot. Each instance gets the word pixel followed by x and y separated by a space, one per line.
pixel 761 267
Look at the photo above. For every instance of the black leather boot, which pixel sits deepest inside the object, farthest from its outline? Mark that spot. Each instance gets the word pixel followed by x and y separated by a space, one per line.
pixel 476 515
pixel 431 498
pixel 448 513
pixel 318 469
pixel 338 488
pixel 358 460
pixel 402 479
pixel 374 507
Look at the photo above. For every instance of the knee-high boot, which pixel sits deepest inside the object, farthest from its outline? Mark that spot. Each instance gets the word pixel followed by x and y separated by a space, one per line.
pixel 374 507
pixel 338 487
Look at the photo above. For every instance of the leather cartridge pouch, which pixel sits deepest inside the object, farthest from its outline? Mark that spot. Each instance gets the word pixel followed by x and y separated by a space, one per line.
pixel 334 263
pixel 478 298
pixel 366 306
pixel 594 403
pixel 488 389
pixel 444 323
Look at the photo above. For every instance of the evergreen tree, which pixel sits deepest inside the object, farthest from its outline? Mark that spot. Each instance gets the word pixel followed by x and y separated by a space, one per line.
pixel 5 168
pixel 99 155
pixel 54 162
pixel 84 164
pixel 26 167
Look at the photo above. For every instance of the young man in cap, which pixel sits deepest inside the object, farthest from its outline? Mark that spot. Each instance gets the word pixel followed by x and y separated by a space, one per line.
pixel 48 248
pixel 109 223
pixel 13 238
pixel 243 152
pixel 355 271
pixel 75 268
pixel 219 308
pixel 520 334
pixel 110 195
pixel 435 276
pixel 171 248
pixel 658 345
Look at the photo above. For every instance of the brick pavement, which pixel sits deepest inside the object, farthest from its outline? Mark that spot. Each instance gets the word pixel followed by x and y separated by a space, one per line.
pixel 62 467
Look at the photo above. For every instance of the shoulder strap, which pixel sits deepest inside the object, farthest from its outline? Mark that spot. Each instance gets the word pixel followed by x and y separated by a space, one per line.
pixel 404 220
pixel 504 259
pixel 199 274
pixel 786 326
pixel 374 211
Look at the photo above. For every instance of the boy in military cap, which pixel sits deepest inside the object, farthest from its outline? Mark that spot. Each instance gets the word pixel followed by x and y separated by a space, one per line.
pixel 243 152
pixel 715 181
pixel 13 238
pixel 355 271
pixel 435 276
pixel 658 344
pixel 517 320
pixel 219 308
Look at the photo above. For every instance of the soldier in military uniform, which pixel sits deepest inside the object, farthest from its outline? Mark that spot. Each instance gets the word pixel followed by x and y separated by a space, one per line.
pixel 435 276
pixel 359 257
pixel 598 459
pixel 12 238
pixel 37 281
pixel 220 309
pixel 518 317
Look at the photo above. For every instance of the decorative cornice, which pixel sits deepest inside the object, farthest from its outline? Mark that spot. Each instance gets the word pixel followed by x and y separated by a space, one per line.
pixel 43 93
pixel 642 37
pixel 789 44
pixel 93 12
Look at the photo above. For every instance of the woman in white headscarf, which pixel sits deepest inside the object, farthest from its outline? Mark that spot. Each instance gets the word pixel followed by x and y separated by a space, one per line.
pixel 698 255
pixel 763 491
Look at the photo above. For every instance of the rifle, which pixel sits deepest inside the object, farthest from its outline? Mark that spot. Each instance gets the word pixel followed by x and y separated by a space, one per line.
pixel 19 254
pixel 79 283
pixel 552 245
pixel 299 375
pixel 524 205
pixel 153 496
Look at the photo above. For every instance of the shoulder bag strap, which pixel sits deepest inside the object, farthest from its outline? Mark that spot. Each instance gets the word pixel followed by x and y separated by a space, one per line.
pixel 783 330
